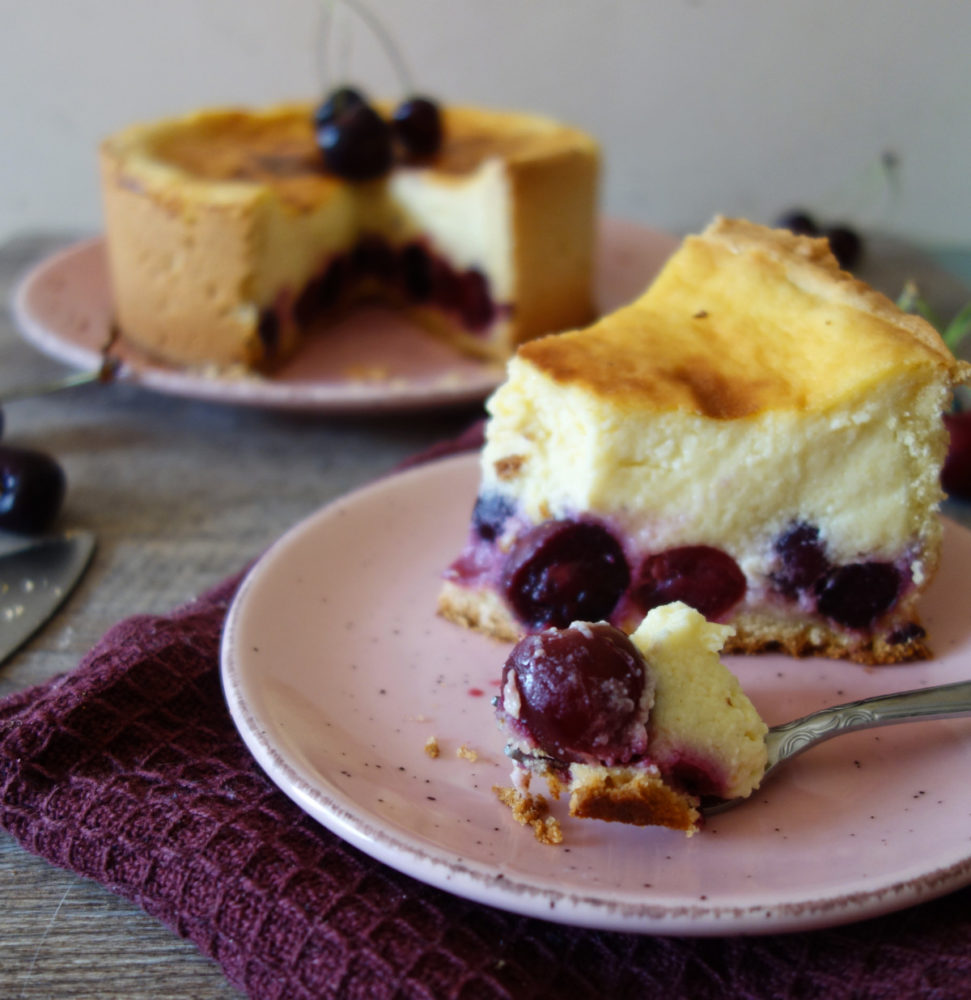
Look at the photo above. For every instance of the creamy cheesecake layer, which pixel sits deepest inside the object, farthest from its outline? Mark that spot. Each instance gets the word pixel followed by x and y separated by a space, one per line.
pixel 218 218
pixel 699 708
pixel 674 478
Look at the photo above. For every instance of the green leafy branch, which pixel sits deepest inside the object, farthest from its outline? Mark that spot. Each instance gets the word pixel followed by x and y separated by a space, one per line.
pixel 952 333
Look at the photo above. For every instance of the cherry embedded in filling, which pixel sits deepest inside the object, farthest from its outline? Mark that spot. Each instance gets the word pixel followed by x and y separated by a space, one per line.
pixel 577 694
pixel 373 258
pixel 477 308
pixel 490 513
pixel 856 595
pixel 416 269
pixel 703 577
pixel 853 595
pixel 802 559
pixel 411 274
pixel 911 632
pixel 564 571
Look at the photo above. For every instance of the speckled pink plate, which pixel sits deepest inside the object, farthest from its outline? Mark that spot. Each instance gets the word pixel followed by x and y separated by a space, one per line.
pixel 374 360
pixel 337 671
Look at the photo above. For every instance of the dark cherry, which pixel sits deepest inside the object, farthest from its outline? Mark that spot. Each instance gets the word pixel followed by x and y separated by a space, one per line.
pixel 701 576
pixel 579 693
pixel 416 269
pixel 417 127
pixel 32 488
pixel 324 292
pixel 446 286
pixel 802 557
pixel 356 145
pixel 268 331
pixel 490 513
pixel 336 103
pixel 846 244
pixel 798 221
pixel 857 594
pixel 565 571
pixel 477 309
pixel 374 258
pixel 956 474
pixel 910 632
pixel 844 241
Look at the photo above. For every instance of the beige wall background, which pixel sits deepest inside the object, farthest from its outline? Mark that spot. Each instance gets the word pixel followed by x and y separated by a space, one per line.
pixel 702 106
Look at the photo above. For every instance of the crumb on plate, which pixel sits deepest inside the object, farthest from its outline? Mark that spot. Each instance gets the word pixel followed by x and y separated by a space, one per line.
pixel 533 811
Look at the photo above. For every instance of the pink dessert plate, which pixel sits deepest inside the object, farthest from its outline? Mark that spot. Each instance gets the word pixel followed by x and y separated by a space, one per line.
pixel 374 360
pixel 337 672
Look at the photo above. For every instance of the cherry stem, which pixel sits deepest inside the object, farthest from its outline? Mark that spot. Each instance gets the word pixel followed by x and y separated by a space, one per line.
pixel 380 32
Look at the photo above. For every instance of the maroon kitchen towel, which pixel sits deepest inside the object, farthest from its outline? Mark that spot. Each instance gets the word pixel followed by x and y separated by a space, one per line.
pixel 129 771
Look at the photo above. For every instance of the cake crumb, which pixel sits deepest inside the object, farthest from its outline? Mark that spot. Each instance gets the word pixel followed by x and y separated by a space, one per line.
pixel 467 753
pixel 532 811
pixel 431 747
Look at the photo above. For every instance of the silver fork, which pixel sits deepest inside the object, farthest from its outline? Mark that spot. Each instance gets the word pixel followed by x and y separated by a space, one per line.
pixel 783 742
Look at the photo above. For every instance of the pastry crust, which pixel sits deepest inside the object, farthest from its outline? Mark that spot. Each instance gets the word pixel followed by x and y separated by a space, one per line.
pixel 484 611
pixel 636 796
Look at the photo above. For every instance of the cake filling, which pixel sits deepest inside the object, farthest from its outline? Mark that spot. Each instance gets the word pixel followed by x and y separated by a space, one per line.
pixel 408 275
pixel 564 569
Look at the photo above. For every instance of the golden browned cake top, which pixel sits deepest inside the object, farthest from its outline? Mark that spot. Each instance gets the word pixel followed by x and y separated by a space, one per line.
pixel 277 145
pixel 744 319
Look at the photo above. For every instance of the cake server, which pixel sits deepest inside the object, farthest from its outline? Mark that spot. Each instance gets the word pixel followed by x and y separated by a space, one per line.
pixel 783 742
pixel 35 579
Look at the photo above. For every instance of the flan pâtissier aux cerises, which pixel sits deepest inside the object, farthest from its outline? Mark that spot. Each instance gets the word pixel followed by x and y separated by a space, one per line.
pixel 759 435
pixel 226 235
pixel 634 729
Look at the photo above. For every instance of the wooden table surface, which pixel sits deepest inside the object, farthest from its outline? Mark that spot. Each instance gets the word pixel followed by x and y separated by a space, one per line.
pixel 180 494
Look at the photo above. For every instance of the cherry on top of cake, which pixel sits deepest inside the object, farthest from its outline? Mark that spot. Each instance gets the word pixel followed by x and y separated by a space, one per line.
pixel 809 336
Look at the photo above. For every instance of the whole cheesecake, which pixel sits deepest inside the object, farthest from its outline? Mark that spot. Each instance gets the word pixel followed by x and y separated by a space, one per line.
pixel 636 730
pixel 227 235
pixel 759 435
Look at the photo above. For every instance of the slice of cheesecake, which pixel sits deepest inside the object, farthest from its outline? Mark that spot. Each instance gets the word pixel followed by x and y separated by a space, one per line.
pixel 227 236
pixel 636 730
pixel 759 435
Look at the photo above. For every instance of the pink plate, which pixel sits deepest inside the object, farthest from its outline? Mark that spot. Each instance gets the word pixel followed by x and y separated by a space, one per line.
pixel 337 670
pixel 372 361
